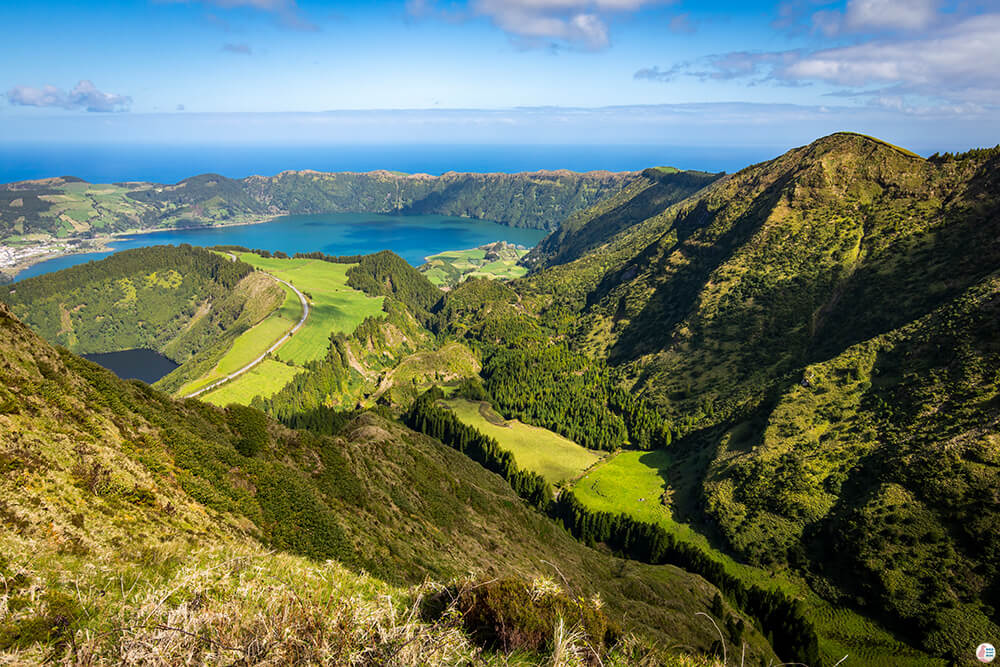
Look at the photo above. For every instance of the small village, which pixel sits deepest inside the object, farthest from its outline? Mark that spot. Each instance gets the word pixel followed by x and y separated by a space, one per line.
pixel 17 256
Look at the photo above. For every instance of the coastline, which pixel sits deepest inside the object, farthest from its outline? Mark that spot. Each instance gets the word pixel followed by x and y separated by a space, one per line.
pixel 105 243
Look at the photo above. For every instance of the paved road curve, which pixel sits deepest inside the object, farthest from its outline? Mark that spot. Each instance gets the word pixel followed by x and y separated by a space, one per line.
pixel 279 343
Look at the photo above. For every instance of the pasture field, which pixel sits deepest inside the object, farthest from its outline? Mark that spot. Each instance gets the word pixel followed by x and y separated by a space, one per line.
pixel 252 343
pixel 633 482
pixel 537 449
pixel 333 305
pixel 452 267
pixel 265 379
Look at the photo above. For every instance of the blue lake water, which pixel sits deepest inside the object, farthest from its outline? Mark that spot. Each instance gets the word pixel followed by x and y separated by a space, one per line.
pixel 411 237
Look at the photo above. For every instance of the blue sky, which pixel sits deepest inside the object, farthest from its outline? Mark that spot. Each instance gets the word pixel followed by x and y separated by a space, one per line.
pixel 921 72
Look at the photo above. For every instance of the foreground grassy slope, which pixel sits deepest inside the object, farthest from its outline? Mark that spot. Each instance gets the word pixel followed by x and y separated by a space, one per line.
pixel 99 469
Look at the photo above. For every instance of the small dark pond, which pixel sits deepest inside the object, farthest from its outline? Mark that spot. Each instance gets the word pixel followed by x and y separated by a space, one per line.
pixel 146 365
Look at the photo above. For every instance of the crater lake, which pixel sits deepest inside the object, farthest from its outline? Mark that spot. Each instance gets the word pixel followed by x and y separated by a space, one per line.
pixel 412 237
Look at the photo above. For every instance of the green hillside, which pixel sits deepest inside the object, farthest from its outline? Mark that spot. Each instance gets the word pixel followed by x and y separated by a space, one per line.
pixel 537 200
pixel 187 303
pixel 642 198
pixel 133 520
pixel 793 369
pixel 814 329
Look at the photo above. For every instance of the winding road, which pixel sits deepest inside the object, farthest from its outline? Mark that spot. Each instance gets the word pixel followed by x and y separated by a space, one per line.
pixel 279 343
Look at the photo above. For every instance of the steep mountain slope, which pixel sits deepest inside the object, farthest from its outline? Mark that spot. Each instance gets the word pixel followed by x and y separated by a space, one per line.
pixel 882 469
pixel 712 299
pixel 116 474
pixel 641 198
pixel 816 328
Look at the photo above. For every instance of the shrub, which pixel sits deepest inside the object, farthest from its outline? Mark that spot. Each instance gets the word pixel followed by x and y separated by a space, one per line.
pixel 251 425
pixel 511 616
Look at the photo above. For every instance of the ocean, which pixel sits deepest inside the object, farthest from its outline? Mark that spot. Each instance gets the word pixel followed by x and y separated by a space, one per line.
pixel 169 164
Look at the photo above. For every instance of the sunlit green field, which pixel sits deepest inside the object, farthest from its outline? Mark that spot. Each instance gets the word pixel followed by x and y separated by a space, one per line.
pixel 333 306
pixel 253 343
pixel 265 379
pixel 633 482
pixel 454 266
pixel 550 455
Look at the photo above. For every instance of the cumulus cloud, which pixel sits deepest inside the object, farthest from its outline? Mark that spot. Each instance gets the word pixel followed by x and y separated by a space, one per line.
pixel 84 95
pixel 536 23
pixel 960 62
pixel 947 59
pixel 240 49
pixel 892 14
pixel 287 12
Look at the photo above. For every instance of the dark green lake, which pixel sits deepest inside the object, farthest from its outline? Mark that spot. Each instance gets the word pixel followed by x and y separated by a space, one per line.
pixel 139 364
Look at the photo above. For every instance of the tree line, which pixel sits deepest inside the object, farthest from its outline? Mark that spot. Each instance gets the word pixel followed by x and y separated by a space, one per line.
pixel 564 391
pixel 428 418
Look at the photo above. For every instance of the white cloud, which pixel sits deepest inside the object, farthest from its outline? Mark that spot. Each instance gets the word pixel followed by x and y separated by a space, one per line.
pixel 951 62
pixel 84 95
pixel 960 62
pixel 891 14
pixel 581 23
pixel 287 12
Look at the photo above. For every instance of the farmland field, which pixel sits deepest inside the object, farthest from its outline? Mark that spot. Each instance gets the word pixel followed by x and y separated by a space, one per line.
pixel 265 379
pixel 333 305
pixel 252 343
pixel 454 266
pixel 550 455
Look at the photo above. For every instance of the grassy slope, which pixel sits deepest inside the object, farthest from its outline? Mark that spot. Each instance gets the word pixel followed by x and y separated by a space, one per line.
pixel 334 307
pixel 251 344
pixel 552 456
pixel 452 267
pixel 187 303
pixel 265 379
pixel 117 475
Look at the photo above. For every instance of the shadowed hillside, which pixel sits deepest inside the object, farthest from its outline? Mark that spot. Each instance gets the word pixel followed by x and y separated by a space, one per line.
pixel 816 326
